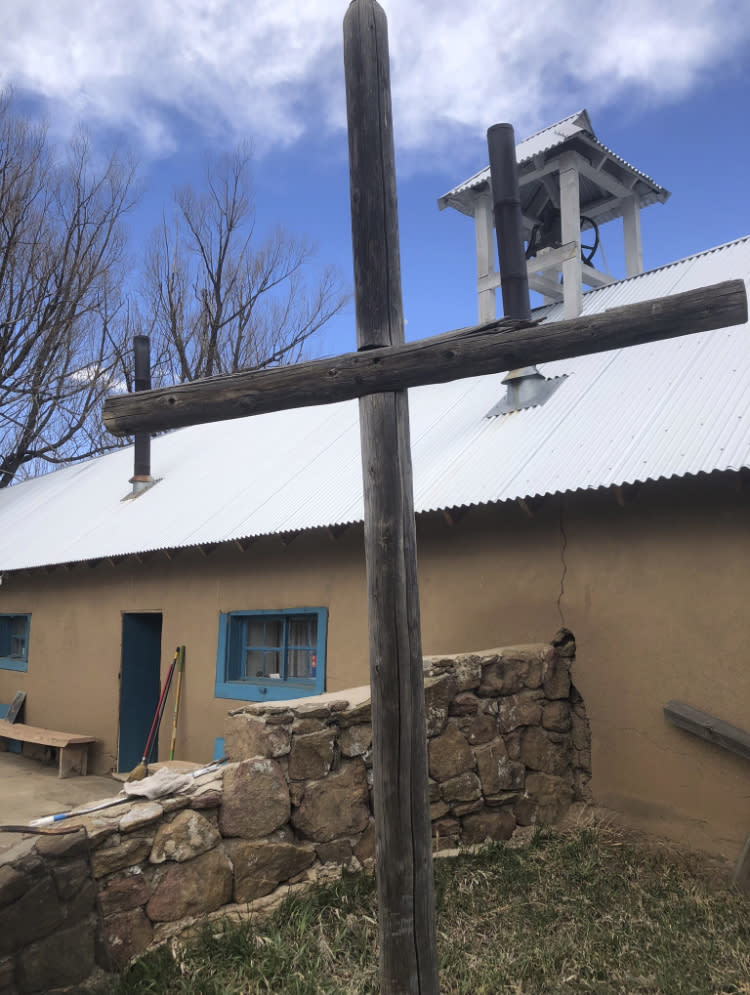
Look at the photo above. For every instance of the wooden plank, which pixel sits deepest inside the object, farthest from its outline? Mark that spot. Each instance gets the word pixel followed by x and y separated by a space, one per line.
pixel 552 258
pixel 490 282
pixel 631 226
pixel 452 516
pixel 625 494
pixel 570 221
pixel 535 206
pixel 485 247
pixel 498 346
pixel 549 259
pixel 549 288
pixel 741 872
pixel 44 737
pixel 595 278
pixel 15 706
pixel 406 901
pixel 336 531
pixel 605 178
pixel 708 727
pixel 551 185
pixel 73 760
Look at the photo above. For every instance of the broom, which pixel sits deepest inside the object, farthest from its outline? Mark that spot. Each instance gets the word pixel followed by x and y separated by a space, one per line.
pixel 141 771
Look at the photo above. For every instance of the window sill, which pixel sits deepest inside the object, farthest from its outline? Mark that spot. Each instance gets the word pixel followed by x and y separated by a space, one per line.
pixel 8 663
pixel 268 691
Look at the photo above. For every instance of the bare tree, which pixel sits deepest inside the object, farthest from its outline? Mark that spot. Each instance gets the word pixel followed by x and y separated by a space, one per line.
pixel 61 252
pixel 217 299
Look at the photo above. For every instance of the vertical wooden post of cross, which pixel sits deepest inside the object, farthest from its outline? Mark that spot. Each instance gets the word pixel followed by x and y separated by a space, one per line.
pixel 406 903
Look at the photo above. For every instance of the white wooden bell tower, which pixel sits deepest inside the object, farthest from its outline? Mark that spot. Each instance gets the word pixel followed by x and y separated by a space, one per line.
pixel 570 184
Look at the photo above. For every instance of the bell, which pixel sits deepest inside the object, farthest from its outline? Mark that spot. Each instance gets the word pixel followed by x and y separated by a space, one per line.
pixel 547 233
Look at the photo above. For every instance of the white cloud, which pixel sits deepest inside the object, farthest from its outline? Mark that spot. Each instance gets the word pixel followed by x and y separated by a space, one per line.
pixel 273 70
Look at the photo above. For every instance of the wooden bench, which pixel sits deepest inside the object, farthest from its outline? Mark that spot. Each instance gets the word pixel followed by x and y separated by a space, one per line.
pixel 72 750
pixel 728 737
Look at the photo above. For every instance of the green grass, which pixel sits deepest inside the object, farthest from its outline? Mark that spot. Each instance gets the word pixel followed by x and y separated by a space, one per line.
pixel 581 913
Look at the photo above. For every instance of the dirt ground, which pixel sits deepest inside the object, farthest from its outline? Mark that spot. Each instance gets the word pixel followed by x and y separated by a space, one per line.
pixel 30 789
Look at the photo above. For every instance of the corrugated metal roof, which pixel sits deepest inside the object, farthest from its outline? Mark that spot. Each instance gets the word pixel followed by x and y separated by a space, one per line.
pixel 542 141
pixel 667 409
pixel 578 124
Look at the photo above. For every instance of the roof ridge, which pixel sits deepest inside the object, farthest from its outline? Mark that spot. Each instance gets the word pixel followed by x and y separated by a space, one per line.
pixel 483 173
pixel 553 137
pixel 569 117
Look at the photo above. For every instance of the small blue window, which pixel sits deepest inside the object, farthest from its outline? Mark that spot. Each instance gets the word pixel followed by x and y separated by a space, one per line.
pixel 14 642
pixel 271 655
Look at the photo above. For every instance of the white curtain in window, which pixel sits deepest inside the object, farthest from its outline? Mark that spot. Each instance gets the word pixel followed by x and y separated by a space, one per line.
pixel 264 639
pixel 301 640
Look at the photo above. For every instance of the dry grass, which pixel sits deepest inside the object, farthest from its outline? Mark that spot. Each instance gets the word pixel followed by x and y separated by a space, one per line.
pixel 581 912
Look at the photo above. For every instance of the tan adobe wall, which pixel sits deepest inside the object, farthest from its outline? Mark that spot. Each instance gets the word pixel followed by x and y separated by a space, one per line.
pixel 72 682
pixel 508 745
pixel 655 591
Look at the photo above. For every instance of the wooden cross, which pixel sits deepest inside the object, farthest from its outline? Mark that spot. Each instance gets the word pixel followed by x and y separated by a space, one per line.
pixel 379 374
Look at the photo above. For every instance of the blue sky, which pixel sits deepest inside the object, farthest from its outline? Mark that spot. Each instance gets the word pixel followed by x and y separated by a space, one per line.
pixel 666 83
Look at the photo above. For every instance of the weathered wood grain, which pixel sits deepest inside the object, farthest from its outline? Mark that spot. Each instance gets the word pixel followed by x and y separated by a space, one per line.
pixel 741 871
pixel 44 737
pixel 468 352
pixel 708 727
pixel 406 903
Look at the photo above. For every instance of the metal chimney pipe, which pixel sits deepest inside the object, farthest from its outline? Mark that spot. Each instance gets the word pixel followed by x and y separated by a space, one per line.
pixel 142 478
pixel 506 207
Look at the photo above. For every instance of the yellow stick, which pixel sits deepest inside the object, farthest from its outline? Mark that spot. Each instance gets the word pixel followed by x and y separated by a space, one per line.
pixel 180 669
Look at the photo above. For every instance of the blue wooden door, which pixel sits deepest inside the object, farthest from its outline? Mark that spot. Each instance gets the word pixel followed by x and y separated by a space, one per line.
pixel 139 685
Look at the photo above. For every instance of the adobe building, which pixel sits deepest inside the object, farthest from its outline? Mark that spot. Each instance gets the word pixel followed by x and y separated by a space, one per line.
pixel 606 493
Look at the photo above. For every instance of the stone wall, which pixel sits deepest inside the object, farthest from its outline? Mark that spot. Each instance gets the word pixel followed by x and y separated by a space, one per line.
pixel 48 914
pixel 508 745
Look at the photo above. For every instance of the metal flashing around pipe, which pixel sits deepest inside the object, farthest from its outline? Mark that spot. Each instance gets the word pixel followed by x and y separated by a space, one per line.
pixel 526 387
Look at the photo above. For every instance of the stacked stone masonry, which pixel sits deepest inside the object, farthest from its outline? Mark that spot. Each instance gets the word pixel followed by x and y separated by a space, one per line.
pixel 508 745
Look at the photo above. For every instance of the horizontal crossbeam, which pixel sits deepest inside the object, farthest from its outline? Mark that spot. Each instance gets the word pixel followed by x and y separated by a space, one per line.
pixel 708 727
pixel 468 352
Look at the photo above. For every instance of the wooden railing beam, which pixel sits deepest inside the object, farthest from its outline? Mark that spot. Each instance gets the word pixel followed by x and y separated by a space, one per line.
pixel 467 352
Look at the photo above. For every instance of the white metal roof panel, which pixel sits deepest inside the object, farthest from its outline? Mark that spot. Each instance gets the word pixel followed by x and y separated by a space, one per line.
pixel 664 409
pixel 544 140
pixel 541 141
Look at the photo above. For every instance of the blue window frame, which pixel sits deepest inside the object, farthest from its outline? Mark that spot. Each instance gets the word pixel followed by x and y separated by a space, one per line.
pixel 271 655
pixel 14 641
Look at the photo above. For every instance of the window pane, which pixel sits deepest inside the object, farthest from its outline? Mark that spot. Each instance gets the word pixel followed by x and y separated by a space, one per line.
pixel 264 640
pixel 300 630
pixel 264 632
pixel 298 663
pixel 262 663
pixel 303 630
pixel 302 644
pixel 6 637
pixel 18 637
pixel 271 655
